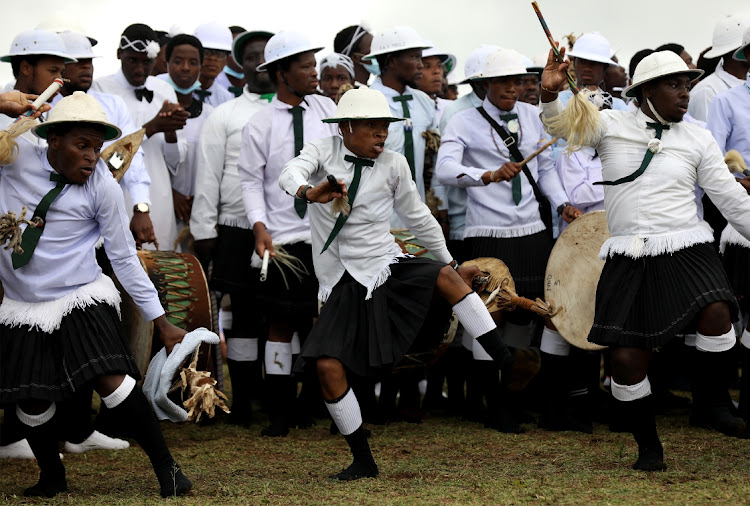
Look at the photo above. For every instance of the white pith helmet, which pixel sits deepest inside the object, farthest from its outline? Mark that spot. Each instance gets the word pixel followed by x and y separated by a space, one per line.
pixel 38 42
pixel 656 65
pixel 475 62
pixel 592 47
pixel 284 44
pixel 362 103
pixel 447 59
pixel 214 36
pixel 77 45
pixel 64 21
pixel 727 34
pixel 79 107
pixel 504 63
pixel 396 38
pixel 740 53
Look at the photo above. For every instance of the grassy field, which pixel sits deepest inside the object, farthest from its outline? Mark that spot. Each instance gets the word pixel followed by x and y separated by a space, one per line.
pixel 441 461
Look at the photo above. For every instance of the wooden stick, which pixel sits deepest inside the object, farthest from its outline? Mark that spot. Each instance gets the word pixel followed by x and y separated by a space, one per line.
pixel 541 148
pixel 551 40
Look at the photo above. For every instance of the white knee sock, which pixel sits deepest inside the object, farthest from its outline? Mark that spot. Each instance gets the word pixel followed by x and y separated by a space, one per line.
pixel 554 344
pixel 473 315
pixel 120 394
pixel 345 412
pixel 36 420
pixel 295 344
pixel 242 349
pixel 716 344
pixel 278 358
pixel 631 392
pixel 689 340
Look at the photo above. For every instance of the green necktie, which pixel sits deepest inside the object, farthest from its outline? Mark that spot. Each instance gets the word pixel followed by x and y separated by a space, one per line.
pixel 515 183
pixel 31 235
pixel 408 136
pixel 646 159
pixel 202 94
pixel 267 96
pixel 358 164
pixel 237 90
pixel 299 205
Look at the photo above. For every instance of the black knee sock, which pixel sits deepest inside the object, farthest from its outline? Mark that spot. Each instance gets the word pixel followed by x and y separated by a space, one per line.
pixel 43 442
pixel 74 416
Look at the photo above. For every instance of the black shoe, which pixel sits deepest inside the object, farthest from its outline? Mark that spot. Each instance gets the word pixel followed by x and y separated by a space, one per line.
pixel 172 482
pixel 47 487
pixel 564 422
pixel 502 421
pixel 650 459
pixel 277 428
pixel 356 471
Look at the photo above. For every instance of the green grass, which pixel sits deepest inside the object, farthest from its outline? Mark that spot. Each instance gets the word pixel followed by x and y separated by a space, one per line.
pixel 441 461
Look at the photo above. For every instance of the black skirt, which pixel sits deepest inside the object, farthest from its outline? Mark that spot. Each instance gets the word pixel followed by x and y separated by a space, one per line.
pixel 644 302
pixel 89 343
pixel 231 260
pixel 736 261
pixel 296 298
pixel 370 336
pixel 526 258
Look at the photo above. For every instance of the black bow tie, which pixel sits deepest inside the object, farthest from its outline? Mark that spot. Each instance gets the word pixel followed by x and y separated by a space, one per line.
pixel 141 93
pixel 203 94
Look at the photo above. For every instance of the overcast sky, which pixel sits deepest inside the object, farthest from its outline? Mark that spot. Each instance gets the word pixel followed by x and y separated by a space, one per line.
pixel 455 26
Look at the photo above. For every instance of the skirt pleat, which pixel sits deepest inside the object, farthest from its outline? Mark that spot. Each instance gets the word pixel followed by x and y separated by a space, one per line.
pixel 298 298
pixel 645 302
pixel 89 343
pixel 370 336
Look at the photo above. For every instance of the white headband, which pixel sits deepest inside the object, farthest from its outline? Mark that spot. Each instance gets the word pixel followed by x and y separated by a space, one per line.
pixel 358 34
pixel 151 47
pixel 334 60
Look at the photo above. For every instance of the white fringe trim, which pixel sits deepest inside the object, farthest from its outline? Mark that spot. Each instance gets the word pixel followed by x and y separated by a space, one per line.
pixel 324 291
pixel 731 236
pixel 636 247
pixel 381 277
pixel 99 243
pixel 235 221
pixel 47 316
pixel 504 233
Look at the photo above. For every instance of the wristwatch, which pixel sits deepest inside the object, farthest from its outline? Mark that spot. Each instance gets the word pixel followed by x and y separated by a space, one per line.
pixel 141 208
pixel 561 207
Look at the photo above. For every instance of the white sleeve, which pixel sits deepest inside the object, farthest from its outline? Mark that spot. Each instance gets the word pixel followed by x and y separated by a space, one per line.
pixel 449 167
pixel 251 166
pixel 298 170
pixel 211 155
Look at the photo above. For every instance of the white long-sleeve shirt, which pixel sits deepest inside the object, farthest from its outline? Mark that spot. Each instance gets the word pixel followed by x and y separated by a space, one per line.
pixel 267 144
pixel 423 117
pixel 729 119
pixel 704 92
pixel 470 147
pixel 364 246
pixel 219 94
pixel 65 259
pixel 218 195
pixel 183 180
pixel 161 157
pixel 136 180
pixel 578 172
pixel 656 213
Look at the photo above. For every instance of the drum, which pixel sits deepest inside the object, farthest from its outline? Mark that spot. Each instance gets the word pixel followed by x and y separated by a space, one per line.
pixel 573 271
pixel 184 295
pixel 409 243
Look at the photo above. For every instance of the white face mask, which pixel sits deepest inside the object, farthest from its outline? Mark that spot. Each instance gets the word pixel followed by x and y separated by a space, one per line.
pixel 373 67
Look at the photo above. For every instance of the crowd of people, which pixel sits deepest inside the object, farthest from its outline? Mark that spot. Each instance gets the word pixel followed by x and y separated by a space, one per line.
pixel 258 153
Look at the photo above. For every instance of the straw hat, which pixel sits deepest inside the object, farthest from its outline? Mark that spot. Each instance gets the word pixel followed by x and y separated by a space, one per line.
pixel 38 42
pixel 727 34
pixel 504 63
pixel 78 108
pixel 241 40
pixel 659 64
pixel 592 47
pixel 396 38
pixel 740 53
pixel 362 103
pixel 284 44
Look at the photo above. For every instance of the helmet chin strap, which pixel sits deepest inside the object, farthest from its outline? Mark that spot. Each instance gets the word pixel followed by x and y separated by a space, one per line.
pixel 295 92
pixel 656 114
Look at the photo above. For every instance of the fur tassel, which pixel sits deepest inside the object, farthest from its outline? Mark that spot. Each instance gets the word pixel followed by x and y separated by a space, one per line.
pixel 637 247
pixel 504 233
pixel 579 123
pixel 8 145
pixel 735 162
pixel 731 236
pixel 324 292
pixel 47 316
